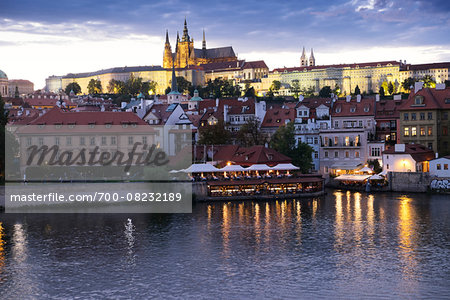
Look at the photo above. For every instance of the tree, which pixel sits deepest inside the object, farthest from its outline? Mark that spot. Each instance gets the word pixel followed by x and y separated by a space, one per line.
pixel 428 81
pixel 250 93
pixel 73 86
pixel 149 87
pixel 220 88
pixel 336 90
pixel 168 90
pixel 250 133
pixel 284 142
pixel 183 84
pixel 295 87
pixel 325 92
pixel 390 88
pixel 94 86
pixel 381 91
pixel 408 83
pixel 375 164
pixel 357 90
pixel 214 134
pixel 276 85
pixel 308 92
pixel 116 87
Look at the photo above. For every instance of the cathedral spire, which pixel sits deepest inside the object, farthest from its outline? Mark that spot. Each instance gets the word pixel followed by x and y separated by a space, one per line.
pixel 185 32
pixel 303 59
pixel 204 41
pixel 167 37
pixel 312 60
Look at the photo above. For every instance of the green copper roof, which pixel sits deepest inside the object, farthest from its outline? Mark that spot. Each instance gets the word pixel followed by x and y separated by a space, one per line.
pixel 3 75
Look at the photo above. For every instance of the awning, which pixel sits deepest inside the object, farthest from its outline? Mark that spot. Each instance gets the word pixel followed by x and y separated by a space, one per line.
pixel 201 168
pixel 366 169
pixel 285 167
pixel 352 177
pixel 376 177
pixel 259 167
pixel 232 168
pixel 345 166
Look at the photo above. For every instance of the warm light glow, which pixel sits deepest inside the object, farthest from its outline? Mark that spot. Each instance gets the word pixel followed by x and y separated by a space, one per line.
pixel 406 230
pixel 229 163
pixel 2 248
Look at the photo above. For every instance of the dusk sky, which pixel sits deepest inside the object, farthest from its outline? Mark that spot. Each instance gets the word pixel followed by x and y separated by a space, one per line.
pixel 43 38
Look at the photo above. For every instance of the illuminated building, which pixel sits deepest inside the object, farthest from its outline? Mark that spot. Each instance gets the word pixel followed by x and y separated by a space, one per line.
pixel 407 158
pixel 424 118
pixel 186 55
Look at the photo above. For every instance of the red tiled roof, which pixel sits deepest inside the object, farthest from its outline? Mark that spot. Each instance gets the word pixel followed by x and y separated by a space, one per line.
pixel 388 109
pixel 342 108
pixel 58 116
pixel 418 152
pixel 258 64
pixel 432 99
pixel 278 116
pixel 441 65
pixel 360 65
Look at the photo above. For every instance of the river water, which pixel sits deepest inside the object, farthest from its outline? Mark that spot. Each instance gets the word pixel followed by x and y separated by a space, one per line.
pixel 344 245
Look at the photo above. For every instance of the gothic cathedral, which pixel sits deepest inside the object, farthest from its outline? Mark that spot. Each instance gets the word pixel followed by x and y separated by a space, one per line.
pixel 186 55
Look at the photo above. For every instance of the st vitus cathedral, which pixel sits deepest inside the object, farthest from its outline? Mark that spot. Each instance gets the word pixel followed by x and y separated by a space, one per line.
pixel 186 55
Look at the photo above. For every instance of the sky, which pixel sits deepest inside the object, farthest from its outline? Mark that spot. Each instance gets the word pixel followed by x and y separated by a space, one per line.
pixel 43 38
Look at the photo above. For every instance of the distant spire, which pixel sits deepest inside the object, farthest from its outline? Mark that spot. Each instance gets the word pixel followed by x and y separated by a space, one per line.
pixel 167 36
pixel 312 60
pixel 204 40
pixel 303 59
pixel 312 54
pixel 185 32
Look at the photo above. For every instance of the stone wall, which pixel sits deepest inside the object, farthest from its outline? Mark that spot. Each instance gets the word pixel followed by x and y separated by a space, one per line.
pixel 409 181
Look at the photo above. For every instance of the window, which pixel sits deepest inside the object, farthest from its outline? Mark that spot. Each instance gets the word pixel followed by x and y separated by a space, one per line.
pixel 92 125
pixel 316 140
pixel 347 154
pixel 406 132
pixel 69 141
pixel 144 140
pixel 113 140
pixel 422 116
pixel 357 154
pixel 418 100
pixel 387 166
pixel 422 131
pixel 375 152
pixel 336 140
pixel 316 154
pixel 130 140
pixel 444 130
pixel 336 124
pixel 326 154
pixel 413 116
pixel 405 116
pixel 57 141
pixel 28 141
pixel 414 131
pixel 360 123
pixel 103 140
pixel 445 166
pixel 430 146
pixel 82 141
pixel 430 116
pixel 92 141
pixel 430 131
pixel 336 154
pixel 347 141
pixel 438 166
pixel 445 116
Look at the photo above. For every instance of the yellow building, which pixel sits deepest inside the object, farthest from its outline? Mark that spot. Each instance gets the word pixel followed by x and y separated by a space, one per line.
pixel 186 55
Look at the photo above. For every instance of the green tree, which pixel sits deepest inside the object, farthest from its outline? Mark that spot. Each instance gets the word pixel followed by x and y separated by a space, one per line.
pixel 73 86
pixel 220 88
pixel 308 92
pixel 336 90
pixel 390 88
pixel 408 83
pixel 381 91
pixel 94 86
pixel 168 90
pixel 250 133
pixel 284 142
pixel 428 81
pixel 295 88
pixel 116 87
pixel 250 93
pixel 325 92
pixel 274 88
pixel 357 90
pixel 149 87
pixel 375 165
pixel 214 134
pixel 183 84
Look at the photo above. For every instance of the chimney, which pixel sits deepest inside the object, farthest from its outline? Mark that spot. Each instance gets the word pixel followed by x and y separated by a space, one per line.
pixel 437 155
pixel 400 148
pixel 358 98
pixel 418 86
pixel 440 86
pixel 225 113
pixel 377 97
pixel 348 98
pixel 217 102
pixel 300 98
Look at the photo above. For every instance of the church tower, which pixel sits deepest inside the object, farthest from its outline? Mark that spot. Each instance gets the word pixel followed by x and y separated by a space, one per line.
pixel 312 60
pixel 303 59
pixel 185 49
pixel 204 45
pixel 167 59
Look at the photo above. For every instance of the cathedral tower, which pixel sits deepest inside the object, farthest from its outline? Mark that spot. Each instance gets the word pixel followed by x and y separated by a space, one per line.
pixel 303 59
pixel 312 60
pixel 167 59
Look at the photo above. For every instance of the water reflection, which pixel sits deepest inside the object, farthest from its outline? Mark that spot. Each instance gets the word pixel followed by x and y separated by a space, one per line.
pixel 2 250
pixel 339 220
pixel 407 232
pixel 19 242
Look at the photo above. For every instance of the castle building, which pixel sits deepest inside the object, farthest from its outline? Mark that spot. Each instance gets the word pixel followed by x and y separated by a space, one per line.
pixel 186 55
pixel 3 84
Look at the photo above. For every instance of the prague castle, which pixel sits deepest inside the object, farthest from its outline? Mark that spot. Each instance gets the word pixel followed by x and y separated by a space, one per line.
pixel 186 55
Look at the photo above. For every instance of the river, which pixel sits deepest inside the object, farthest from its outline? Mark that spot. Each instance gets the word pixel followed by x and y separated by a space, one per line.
pixel 343 245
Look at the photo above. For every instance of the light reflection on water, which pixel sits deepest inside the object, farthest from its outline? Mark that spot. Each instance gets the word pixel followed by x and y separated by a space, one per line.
pixel 344 245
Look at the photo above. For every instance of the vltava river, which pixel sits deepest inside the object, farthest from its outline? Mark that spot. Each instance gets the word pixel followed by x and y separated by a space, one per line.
pixel 344 245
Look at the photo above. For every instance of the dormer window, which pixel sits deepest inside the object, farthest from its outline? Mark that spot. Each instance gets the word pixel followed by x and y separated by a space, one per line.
pixel 418 100
pixel 338 109
pixel 366 108
pixel 352 109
